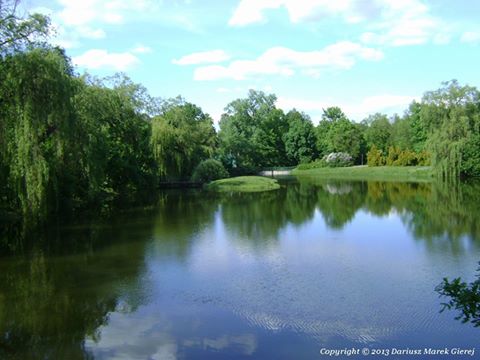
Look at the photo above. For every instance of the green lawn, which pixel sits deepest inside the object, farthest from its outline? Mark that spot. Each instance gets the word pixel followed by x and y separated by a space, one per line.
pixel 379 173
pixel 243 184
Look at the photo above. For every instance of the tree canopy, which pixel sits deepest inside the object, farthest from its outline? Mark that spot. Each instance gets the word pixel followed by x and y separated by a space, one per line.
pixel 182 136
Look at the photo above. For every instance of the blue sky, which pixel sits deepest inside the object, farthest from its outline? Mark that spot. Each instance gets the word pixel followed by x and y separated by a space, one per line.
pixel 365 56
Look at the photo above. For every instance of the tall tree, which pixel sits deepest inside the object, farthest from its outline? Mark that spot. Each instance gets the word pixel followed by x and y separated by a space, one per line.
pixel 182 136
pixel 378 132
pixel 251 131
pixel 37 126
pixel 452 116
pixel 300 140
pixel 336 133
pixel 418 129
pixel 116 161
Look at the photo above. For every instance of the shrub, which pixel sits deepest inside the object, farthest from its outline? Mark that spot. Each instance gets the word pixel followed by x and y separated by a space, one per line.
pixel 406 158
pixel 423 158
pixel 339 159
pixel 375 157
pixel 209 170
pixel 393 154
pixel 319 163
pixel 397 157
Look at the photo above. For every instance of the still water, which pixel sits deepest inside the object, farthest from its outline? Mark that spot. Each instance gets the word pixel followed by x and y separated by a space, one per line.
pixel 278 274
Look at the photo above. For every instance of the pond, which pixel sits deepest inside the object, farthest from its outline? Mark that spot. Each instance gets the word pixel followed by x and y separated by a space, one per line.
pixel 281 274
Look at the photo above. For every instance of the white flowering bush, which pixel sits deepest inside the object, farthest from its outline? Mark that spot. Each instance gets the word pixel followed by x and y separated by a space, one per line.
pixel 338 159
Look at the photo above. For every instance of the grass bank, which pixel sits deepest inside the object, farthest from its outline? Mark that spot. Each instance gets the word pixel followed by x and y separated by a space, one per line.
pixel 243 184
pixel 378 173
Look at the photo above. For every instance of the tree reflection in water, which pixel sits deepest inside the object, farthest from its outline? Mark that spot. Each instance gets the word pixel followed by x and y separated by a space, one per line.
pixel 60 285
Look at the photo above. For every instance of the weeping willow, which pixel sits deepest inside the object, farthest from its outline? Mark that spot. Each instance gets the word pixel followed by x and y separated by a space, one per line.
pixel 452 116
pixel 181 138
pixel 37 121
pixel 446 155
pixel 168 151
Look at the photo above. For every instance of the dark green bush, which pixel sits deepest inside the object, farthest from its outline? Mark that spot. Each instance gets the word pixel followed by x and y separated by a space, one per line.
pixel 209 170
pixel 319 163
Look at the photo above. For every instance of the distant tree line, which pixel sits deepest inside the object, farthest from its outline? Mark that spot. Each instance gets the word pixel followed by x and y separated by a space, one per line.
pixel 69 142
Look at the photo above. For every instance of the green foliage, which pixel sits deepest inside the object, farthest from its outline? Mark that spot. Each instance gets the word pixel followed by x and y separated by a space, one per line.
pixel 406 158
pixel 300 138
pixel 333 114
pixel 417 127
pixel 452 116
pixel 116 162
pixel 470 165
pixel 68 142
pixel 17 32
pixel 378 132
pixel 392 156
pixel 345 138
pixel 37 127
pixel 319 163
pixel 323 141
pixel 336 133
pixel 209 170
pixel 251 134
pixel 397 157
pixel 423 158
pixel 375 157
pixel 463 297
pixel 182 136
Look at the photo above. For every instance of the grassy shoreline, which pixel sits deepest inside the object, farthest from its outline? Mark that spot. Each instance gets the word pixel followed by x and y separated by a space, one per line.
pixel 379 173
pixel 243 184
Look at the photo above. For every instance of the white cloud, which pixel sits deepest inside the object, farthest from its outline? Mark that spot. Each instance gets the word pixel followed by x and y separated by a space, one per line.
pixel 76 20
pixel 284 61
pixel 470 37
pixel 98 58
pixel 390 22
pixel 213 56
pixel 252 11
pixel 77 12
pixel 406 22
pixel 357 110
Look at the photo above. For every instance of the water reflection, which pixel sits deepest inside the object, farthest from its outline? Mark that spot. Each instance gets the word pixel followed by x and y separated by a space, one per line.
pixel 201 274
pixel 180 215
pixel 258 218
pixel 439 216
pixel 62 288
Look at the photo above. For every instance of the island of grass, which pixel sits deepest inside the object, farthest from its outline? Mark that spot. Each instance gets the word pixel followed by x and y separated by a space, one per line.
pixel 243 184
pixel 377 173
